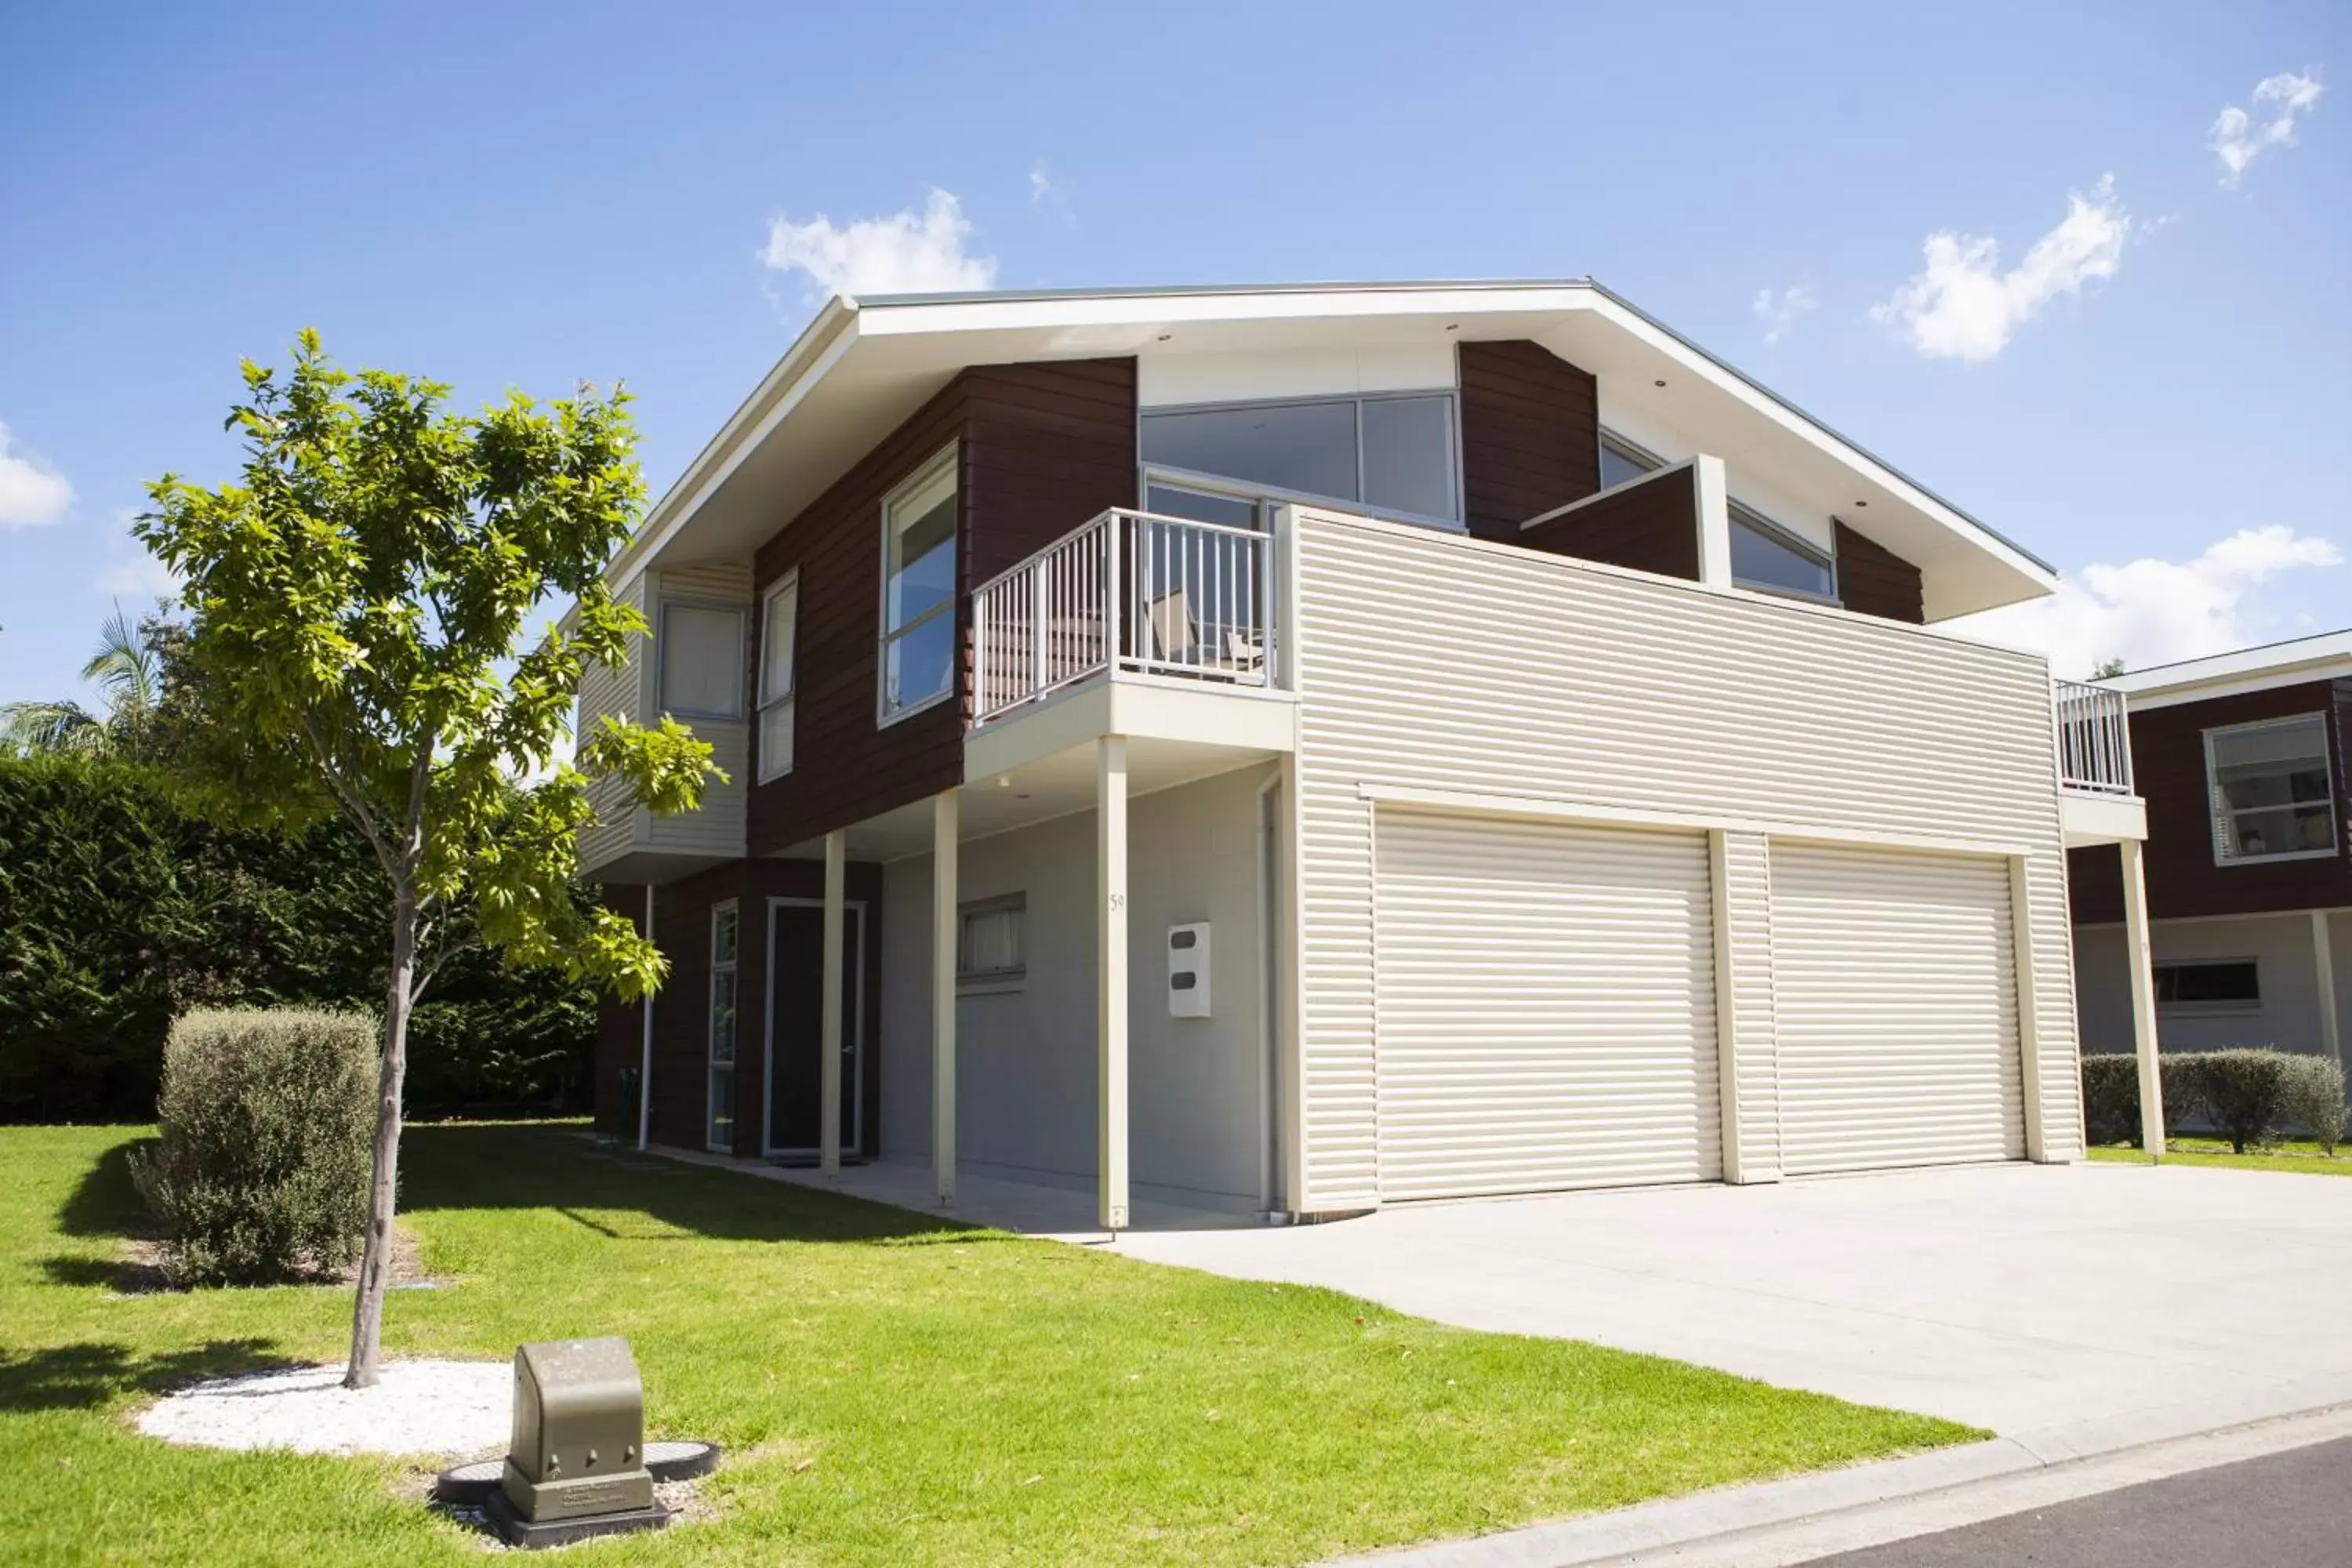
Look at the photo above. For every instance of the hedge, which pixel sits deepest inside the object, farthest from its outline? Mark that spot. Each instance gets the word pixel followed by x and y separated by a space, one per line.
pixel 2247 1095
pixel 119 912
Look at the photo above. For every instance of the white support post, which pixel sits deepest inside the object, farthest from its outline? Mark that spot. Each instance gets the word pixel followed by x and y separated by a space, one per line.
pixel 828 1096
pixel 2141 964
pixel 2331 1024
pixel 946 929
pixel 1713 497
pixel 1726 1010
pixel 645 1052
pixel 1110 980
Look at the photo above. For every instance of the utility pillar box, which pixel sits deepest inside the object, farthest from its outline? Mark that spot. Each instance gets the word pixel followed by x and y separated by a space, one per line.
pixel 579 1445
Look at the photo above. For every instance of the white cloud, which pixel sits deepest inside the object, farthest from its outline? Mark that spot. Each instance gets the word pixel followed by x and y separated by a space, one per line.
pixel 2237 138
pixel 907 252
pixel 31 493
pixel 1040 185
pixel 130 572
pixel 1962 306
pixel 1778 309
pixel 2149 611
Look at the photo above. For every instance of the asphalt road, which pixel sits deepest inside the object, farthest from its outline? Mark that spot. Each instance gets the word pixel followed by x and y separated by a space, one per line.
pixel 2287 1510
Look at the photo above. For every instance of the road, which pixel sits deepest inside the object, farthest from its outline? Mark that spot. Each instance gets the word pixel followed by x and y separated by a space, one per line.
pixel 2287 1511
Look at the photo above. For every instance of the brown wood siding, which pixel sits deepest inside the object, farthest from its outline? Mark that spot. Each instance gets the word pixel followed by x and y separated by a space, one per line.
pixel 1875 581
pixel 1047 447
pixel 2167 747
pixel 682 1007
pixel 1652 527
pixel 765 879
pixel 1530 435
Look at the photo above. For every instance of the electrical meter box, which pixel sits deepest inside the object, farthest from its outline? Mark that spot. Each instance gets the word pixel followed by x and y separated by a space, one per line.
pixel 1188 971
pixel 579 1444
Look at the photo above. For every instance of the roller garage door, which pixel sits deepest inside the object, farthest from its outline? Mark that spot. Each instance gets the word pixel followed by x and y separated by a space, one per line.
pixel 1545 1007
pixel 1895 988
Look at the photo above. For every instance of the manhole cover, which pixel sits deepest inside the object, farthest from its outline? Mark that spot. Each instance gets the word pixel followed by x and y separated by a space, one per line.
pixel 468 1485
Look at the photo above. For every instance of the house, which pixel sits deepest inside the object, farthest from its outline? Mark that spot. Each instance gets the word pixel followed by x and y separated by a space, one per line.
pixel 2240 758
pixel 1297 749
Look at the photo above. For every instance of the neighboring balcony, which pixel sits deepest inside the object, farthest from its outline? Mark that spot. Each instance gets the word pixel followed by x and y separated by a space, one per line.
pixel 2097 801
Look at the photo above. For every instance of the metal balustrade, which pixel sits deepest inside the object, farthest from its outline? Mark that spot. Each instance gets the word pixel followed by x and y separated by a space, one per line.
pixel 2093 738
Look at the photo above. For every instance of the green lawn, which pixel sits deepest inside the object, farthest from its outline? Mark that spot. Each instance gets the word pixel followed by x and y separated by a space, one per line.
pixel 891 1389
pixel 2301 1158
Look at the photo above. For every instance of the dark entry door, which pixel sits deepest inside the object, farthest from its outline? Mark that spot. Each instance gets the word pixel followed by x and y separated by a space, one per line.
pixel 796 1027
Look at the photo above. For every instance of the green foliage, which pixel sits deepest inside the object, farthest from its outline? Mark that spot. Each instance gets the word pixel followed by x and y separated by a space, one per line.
pixel 2242 1091
pixel 2247 1095
pixel 127 667
pixel 2313 1100
pixel 266 1119
pixel 119 910
pixel 2111 1097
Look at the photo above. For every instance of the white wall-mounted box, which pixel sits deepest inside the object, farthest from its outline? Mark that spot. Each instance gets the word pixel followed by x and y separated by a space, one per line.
pixel 1188 971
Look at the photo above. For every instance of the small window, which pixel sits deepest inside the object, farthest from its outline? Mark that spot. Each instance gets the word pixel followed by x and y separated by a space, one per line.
pixel 720 1134
pixel 991 944
pixel 2216 988
pixel 1622 460
pixel 701 661
pixel 918 561
pixel 2271 796
pixel 778 656
pixel 1767 556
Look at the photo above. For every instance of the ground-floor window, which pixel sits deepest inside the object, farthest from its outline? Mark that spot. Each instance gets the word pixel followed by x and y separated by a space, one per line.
pixel 721 1134
pixel 2213 987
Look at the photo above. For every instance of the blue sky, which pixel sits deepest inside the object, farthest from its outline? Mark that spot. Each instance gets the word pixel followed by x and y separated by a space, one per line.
pixel 2145 383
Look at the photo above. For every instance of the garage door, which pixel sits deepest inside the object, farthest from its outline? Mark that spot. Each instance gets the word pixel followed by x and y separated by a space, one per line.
pixel 1894 986
pixel 1546 1008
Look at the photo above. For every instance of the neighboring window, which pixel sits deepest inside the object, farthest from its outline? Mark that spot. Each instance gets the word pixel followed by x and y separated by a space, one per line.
pixel 722 1132
pixel 780 619
pixel 1765 555
pixel 1622 460
pixel 2221 986
pixel 701 661
pixel 2269 789
pixel 990 941
pixel 919 539
pixel 1393 454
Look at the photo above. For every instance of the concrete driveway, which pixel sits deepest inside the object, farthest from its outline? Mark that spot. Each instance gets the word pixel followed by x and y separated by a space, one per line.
pixel 2077 1303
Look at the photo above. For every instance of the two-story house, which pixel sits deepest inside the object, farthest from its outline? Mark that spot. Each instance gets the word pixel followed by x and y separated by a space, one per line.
pixel 1297 749
pixel 2240 758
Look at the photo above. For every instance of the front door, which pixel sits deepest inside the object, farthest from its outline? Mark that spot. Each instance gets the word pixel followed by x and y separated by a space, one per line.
pixel 796 1025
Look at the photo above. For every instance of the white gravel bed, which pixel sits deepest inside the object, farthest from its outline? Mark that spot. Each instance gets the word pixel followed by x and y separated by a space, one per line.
pixel 452 1409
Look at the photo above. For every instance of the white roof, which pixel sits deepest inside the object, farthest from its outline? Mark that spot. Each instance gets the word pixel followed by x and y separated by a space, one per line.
pixel 2327 657
pixel 860 368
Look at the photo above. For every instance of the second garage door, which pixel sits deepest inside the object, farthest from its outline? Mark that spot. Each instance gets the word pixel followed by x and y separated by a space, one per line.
pixel 1546 1008
pixel 1894 990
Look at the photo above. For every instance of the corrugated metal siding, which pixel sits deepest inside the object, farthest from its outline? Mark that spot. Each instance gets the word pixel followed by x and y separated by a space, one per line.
pixel 1895 986
pixel 1427 660
pixel 1547 1008
pixel 1748 919
pixel 610 691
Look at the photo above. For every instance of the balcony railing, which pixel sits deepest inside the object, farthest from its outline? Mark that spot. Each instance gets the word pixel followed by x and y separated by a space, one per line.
pixel 1132 590
pixel 2094 739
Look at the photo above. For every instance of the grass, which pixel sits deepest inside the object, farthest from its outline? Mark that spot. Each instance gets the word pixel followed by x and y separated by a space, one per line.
pixel 2296 1155
pixel 892 1389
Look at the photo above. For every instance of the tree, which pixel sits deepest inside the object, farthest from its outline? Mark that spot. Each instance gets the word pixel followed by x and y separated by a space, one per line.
pixel 355 605
pixel 2109 670
pixel 126 670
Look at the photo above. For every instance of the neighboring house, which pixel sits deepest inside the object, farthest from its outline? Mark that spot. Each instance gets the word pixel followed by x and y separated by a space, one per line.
pixel 2240 758
pixel 1296 749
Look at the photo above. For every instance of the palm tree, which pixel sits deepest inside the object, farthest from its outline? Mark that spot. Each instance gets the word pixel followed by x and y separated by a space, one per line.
pixel 126 671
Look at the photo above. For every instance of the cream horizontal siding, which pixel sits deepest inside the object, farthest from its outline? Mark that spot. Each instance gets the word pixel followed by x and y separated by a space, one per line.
pixel 719 581
pixel 1427 660
pixel 717 827
pixel 618 693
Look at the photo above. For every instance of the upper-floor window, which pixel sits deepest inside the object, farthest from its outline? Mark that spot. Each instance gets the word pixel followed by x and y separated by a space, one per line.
pixel 1388 452
pixel 701 661
pixel 2271 796
pixel 779 618
pixel 1764 555
pixel 1622 460
pixel 918 544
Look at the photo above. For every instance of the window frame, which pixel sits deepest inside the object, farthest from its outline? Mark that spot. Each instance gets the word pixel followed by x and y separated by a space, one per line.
pixel 790 583
pixel 947 462
pixel 1012 977
pixel 661 655
pixel 2214 810
pixel 1739 512
pixel 725 909
pixel 1631 451
pixel 2240 1009
pixel 1195 478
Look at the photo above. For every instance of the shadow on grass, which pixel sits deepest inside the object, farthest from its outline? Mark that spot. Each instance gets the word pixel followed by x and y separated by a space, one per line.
pixel 558 1168
pixel 88 1373
pixel 105 1202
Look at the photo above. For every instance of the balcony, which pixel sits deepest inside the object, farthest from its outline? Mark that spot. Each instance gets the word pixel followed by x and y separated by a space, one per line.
pixel 2097 801
pixel 1130 592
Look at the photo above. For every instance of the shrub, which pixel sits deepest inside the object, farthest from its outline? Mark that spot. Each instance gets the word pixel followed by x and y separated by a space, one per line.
pixel 2111 1097
pixel 2313 1100
pixel 269 1119
pixel 2242 1091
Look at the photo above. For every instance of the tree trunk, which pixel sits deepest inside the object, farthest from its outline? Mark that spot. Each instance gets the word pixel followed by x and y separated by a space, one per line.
pixel 375 1260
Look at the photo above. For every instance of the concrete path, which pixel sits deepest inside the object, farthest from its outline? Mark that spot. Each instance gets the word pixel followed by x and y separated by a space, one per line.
pixel 2069 1307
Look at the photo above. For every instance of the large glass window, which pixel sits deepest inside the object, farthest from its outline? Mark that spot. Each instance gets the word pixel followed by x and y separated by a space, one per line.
pixel 1622 460
pixel 918 537
pixel 2271 796
pixel 722 1132
pixel 779 659
pixel 1765 555
pixel 701 661
pixel 1391 454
